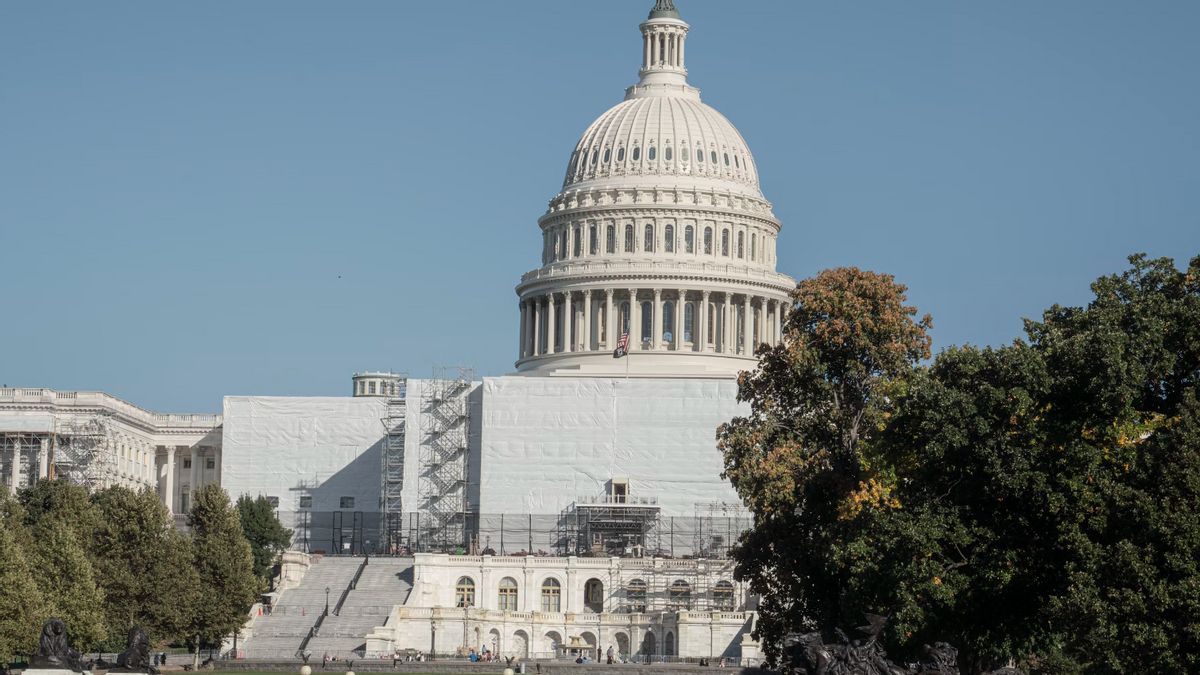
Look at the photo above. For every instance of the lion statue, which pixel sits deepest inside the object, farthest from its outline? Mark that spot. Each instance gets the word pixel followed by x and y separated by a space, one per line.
pixel 136 657
pixel 54 649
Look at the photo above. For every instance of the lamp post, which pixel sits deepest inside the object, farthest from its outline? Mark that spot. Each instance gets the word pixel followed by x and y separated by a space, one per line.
pixel 327 601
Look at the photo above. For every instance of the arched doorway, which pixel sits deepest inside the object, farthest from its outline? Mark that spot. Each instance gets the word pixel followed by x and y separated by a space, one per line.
pixel 593 596
pixel 593 645
pixel 494 642
pixel 622 646
pixel 520 644
pixel 649 646
pixel 669 644
pixel 552 644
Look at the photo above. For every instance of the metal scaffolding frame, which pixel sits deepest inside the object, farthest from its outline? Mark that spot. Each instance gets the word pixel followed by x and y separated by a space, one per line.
pixel 444 454
pixel 82 449
pixel 392 470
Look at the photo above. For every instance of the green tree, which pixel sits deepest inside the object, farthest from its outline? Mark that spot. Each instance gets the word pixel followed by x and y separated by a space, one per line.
pixel 797 460
pixel 143 565
pixel 22 610
pixel 222 558
pixel 60 500
pixel 267 536
pixel 64 574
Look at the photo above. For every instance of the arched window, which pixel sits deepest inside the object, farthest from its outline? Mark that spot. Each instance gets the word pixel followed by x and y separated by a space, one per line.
pixel 711 336
pixel 635 596
pixel 689 320
pixel 668 321
pixel 637 153
pixel 753 246
pixel 689 239
pixel 595 156
pixel 699 155
pixel 508 595
pixel 610 241
pixel 736 163
pixel 647 311
pixel 725 242
pixel 679 595
pixel 683 153
pixel 629 238
pixel 667 154
pixel 714 156
pixel 551 596
pixel 741 246
pixel 708 241
pixel 722 596
pixel 650 154
pixel 669 239
pixel 593 240
pixel 578 242
pixel 607 155
pixel 648 240
pixel 562 244
pixel 727 159
pixel 621 154
pixel 464 592
pixel 623 320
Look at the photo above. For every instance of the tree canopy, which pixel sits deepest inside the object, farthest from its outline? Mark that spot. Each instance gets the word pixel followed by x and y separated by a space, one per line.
pixel 267 536
pixel 1035 502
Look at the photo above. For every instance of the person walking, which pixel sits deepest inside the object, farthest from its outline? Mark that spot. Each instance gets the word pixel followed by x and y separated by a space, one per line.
pixel 610 655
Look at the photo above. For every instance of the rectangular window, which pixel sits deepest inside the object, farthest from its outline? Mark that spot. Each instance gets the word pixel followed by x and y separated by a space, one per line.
pixel 183 499
pixel 306 502
pixel 347 502
pixel 210 463
pixel 273 501
pixel 187 463
pixel 593 241
pixel 578 243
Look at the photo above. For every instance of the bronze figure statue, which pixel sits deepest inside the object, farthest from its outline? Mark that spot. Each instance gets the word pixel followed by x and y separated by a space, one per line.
pixel 136 657
pixel 54 649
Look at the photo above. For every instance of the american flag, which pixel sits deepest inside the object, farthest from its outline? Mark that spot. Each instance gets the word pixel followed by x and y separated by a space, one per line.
pixel 622 346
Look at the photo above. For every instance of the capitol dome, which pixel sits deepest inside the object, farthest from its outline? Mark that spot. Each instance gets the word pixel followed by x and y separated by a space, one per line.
pixel 661 233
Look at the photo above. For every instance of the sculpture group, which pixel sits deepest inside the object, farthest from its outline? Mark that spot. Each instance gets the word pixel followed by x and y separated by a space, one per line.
pixel 808 653
pixel 54 652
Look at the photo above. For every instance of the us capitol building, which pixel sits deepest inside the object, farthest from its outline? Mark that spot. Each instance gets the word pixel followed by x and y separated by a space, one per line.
pixel 574 505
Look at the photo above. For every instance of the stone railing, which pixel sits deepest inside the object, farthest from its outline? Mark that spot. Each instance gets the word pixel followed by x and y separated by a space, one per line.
pixel 94 399
pixel 647 267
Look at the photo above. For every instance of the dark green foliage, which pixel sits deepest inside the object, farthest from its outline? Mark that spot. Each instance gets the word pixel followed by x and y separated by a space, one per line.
pixel 221 556
pixel 21 607
pixel 1037 501
pixel 267 536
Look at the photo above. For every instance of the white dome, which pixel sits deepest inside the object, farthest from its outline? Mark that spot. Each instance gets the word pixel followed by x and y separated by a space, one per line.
pixel 669 138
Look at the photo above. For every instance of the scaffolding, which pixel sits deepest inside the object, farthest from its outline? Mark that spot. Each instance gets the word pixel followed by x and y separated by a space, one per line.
pixel 715 532
pixel 392 469
pixel 608 525
pixel 83 450
pixel 443 472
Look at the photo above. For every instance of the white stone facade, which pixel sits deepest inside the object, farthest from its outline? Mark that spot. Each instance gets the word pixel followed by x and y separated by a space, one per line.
pixel 127 445
pixel 539 607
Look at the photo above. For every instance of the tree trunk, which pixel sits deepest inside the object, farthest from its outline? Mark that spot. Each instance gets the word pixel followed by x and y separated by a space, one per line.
pixel 196 655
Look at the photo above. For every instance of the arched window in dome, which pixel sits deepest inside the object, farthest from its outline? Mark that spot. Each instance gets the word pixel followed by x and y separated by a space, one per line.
pixel 629 238
pixel 648 240
pixel 610 240
pixel 708 241
pixel 637 153
pixel 725 242
pixel 607 155
pixel 593 240
pixel 562 244
pixel 689 320
pixel 621 154
pixel 578 247
pixel 668 321
pixel 667 154
pixel 714 156
pixel 753 246
pixel 683 153
pixel 669 239
pixel 727 159
pixel 700 155
pixel 689 240
pixel 647 312
pixel 711 335
pixel 736 163
pixel 741 245
pixel 595 156
pixel 623 318
pixel 650 154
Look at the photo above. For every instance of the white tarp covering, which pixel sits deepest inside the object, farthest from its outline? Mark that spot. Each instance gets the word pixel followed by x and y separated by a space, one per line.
pixel 548 440
pixel 326 448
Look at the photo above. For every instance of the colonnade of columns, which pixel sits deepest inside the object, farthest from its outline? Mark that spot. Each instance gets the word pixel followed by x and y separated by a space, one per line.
pixel 21 462
pixel 193 473
pixel 663 48
pixel 679 320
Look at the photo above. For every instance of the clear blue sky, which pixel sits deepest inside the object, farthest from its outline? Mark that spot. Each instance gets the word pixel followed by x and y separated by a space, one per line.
pixel 201 199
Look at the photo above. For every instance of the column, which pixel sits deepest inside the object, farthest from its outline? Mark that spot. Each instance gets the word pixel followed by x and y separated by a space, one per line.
pixel 537 328
pixel 726 324
pixel 194 479
pixel 657 322
pixel 682 42
pixel 653 49
pixel 704 322
pixel 44 459
pixel 610 324
pixel 568 323
pixel 677 335
pixel 521 347
pixel 587 320
pixel 762 320
pixel 635 321
pixel 169 492
pixel 15 474
pixel 748 336
pixel 646 51
pixel 551 325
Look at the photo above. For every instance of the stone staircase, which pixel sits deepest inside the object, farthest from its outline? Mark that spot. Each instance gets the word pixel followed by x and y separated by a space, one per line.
pixel 385 583
pixel 279 634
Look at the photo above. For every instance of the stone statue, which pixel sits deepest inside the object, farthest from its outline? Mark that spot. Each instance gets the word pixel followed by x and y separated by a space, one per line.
pixel 808 654
pixel 54 649
pixel 136 657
